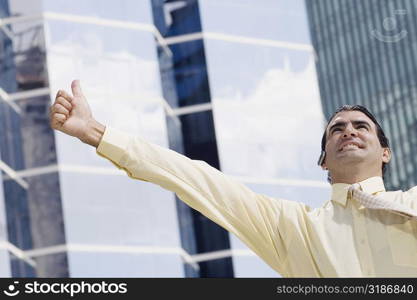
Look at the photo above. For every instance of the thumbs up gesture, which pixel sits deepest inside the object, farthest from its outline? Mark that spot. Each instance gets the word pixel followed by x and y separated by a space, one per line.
pixel 72 115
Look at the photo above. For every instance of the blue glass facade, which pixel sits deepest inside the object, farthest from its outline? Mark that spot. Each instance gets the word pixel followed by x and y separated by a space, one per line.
pixel 185 83
pixel 34 214
pixel 45 202
pixel 15 197
pixel 115 226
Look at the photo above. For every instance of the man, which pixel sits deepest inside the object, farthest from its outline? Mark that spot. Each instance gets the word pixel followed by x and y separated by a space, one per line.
pixel 353 234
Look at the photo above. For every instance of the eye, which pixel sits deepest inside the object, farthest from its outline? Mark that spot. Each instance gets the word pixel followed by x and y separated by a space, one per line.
pixel 336 129
pixel 363 126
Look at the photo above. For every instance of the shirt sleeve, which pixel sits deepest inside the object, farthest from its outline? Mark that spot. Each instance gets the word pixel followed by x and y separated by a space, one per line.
pixel 255 219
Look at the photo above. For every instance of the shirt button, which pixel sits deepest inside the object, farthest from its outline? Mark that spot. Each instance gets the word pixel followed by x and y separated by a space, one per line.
pixel 362 241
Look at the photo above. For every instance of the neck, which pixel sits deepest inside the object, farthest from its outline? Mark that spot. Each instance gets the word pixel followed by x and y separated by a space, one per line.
pixel 353 175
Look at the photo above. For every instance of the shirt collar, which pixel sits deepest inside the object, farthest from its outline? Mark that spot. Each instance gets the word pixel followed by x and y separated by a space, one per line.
pixel 371 185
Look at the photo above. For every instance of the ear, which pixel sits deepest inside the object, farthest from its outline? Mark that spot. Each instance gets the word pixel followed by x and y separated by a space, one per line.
pixel 322 160
pixel 386 155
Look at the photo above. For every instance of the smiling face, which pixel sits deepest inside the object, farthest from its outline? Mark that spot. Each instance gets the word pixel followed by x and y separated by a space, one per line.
pixel 352 141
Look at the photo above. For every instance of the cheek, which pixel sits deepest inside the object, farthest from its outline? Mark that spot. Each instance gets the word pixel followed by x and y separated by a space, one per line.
pixel 372 140
pixel 331 143
pixel 331 148
pixel 375 147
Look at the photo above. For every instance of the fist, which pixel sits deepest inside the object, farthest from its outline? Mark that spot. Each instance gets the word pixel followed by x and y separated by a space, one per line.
pixel 71 114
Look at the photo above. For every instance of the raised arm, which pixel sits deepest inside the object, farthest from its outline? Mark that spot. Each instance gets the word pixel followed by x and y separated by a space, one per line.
pixel 256 219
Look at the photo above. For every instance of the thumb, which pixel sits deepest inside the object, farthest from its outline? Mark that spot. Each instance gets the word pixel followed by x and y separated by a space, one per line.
pixel 76 88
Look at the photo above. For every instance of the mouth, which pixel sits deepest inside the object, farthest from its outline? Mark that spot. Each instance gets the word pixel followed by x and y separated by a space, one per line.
pixel 350 146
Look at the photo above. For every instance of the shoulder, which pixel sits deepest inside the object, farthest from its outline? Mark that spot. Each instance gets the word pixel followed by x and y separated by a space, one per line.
pixel 409 197
pixel 412 191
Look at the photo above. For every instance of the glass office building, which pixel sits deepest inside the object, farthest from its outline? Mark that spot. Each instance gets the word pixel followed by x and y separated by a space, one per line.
pixel 365 55
pixel 240 94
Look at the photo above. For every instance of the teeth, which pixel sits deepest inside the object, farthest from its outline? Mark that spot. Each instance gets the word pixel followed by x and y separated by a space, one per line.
pixel 350 146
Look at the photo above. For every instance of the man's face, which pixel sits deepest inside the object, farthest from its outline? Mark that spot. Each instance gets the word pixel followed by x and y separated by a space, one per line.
pixel 352 139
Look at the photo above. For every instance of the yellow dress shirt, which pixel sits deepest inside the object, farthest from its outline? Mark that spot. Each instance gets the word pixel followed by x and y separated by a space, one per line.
pixel 338 239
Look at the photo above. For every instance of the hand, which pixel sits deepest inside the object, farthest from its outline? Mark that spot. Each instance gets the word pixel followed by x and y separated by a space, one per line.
pixel 72 115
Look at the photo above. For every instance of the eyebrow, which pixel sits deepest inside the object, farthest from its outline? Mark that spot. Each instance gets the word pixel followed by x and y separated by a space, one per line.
pixel 343 124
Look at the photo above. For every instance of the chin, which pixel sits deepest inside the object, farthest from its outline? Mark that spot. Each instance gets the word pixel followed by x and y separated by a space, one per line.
pixel 350 157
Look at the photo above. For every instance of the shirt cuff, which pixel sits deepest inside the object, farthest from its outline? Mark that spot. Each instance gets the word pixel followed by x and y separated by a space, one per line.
pixel 113 144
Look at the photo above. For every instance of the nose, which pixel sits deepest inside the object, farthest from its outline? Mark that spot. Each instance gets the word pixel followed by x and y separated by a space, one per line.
pixel 350 131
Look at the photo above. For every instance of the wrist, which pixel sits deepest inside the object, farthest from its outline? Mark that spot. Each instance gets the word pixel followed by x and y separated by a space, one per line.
pixel 93 133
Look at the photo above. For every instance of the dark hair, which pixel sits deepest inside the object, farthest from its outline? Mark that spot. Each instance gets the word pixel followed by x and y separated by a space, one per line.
pixel 383 140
